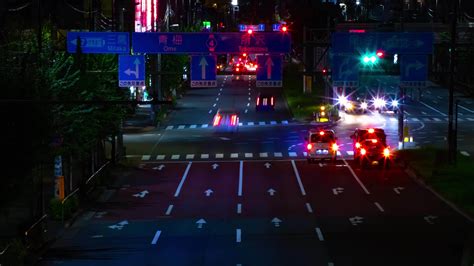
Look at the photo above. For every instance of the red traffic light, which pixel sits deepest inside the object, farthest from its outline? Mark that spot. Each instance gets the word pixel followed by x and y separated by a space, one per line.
pixel 380 54
pixel 324 71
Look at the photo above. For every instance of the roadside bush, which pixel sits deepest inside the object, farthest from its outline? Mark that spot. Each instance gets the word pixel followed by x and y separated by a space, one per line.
pixel 59 209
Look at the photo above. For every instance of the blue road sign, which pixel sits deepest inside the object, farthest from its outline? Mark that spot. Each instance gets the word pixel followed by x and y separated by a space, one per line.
pixel 390 42
pixel 269 71
pixel 203 71
pixel 99 42
pixel 344 70
pixel 205 42
pixel 413 70
pixel 131 70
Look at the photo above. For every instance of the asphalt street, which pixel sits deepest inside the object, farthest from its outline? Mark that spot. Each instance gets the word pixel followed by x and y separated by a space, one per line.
pixel 250 198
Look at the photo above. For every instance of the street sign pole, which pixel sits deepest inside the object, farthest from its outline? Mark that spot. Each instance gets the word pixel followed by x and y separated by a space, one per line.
pixel 452 57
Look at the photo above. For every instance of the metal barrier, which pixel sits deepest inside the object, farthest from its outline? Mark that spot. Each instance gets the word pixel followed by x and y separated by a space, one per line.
pixel 34 234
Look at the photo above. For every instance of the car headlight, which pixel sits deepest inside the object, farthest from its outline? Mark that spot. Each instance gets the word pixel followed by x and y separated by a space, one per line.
pixel 363 105
pixel 342 100
pixel 349 105
pixel 395 103
pixel 378 102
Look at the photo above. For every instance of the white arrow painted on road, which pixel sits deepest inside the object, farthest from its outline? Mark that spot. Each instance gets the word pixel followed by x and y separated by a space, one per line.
pixel 271 191
pixel 203 63
pixel 200 223
pixel 337 190
pixel 356 220
pixel 398 189
pixel 417 65
pixel 268 165
pixel 430 219
pixel 276 222
pixel 99 214
pixel 269 64
pixel 136 72
pixel 214 166
pixel 118 226
pixel 141 194
pixel 159 167
pixel 208 192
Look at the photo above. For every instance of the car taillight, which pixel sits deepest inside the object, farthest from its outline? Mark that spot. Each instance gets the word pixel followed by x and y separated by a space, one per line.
pixel 363 151
pixel 271 101
pixel 233 120
pixel 217 120
pixel 335 147
pixel 357 145
pixel 237 69
pixel 258 100
pixel 386 152
pixel 309 146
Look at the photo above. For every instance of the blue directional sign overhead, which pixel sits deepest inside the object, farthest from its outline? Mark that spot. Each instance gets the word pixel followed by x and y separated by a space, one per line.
pixel 131 70
pixel 413 70
pixel 345 70
pixel 203 71
pixel 269 71
pixel 205 42
pixel 390 42
pixel 99 42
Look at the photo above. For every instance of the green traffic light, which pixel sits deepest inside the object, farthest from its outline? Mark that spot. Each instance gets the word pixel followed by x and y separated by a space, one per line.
pixel 369 59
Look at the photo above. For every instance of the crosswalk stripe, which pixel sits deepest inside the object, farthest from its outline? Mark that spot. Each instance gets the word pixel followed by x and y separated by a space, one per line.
pixel 273 122
pixel 248 155
pixel 190 156
pixel 160 157
pixel 193 126
pixel 204 125
pixel 426 119
pixel 169 127
pixel 204 156
pixel 219 155
pixel 292 154
pixel 284 122
pixel 175 157
pixel 261 123
pixel 278 154
pixel 263 154
pixel 145 157
pixel 234 155
pixel 436 119
pixel 181 127
pixel 415 119
pixel 250 123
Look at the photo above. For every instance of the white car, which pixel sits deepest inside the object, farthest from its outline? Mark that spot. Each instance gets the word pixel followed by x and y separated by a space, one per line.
pixel 321 144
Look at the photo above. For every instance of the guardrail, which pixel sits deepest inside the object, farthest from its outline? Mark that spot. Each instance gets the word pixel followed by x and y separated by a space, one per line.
pixel 34 234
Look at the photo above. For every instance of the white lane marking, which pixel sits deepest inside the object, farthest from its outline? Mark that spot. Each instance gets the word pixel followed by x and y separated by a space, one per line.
pixel 261 123
pixel 273 122
pixel 284 122
pixel 248 104
pixel 217 99
pixel 169 210
pixel 94 236
pixel 160 157
pixel 250 123
pixel 297 174
pixel 350 153
pixel 210 111
pixel 436 119
pixel 309 208
pixel 465 108
pixel 169 127
pixel 460 120
pixel 193 126
pixel 292 154
pixel 175 157
pixel 263 155
pixel 465 153
pixel 278 154
pixel 470 119
pixel 426 119
pixel 219 94
pixel 407 113
pixel 234 155
pixel 214 105
pixel 181 183
pixel 320 234
pixel 432 108
pixel 248 155
pixel 246 110
pixel 189 156
pixel 355 176
pixel 379 206
pixel 145 157
pixel 238 235
pixel 204 125
pixel 239 208
pixel 250 98
pixel 205 156
pixel 219 155
pixel 241 173
pixel 424 113
pixel 155 238
pixel 415 119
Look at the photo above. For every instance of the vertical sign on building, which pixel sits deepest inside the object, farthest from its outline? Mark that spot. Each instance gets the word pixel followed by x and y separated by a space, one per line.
pixel 146 15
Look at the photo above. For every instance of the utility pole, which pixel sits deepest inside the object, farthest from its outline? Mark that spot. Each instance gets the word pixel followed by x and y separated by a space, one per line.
pixel 401 113
pixel 451 137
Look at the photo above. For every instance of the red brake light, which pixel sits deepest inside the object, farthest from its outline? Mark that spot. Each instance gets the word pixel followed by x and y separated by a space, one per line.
pixel 309 146
pixel 386 152
pixel 374 141
pixel 258 100
pixel 363 151
pixel 284 29
pixel 357 145
pixel 233 120
pixel 321 133
pixel 245 55
pixel 271 101
pixel 335 147
pixel 237 69
pixel 217 120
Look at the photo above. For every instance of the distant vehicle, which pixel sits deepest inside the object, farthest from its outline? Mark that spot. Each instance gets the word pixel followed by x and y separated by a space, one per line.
pixel 370 147
pixel 226 120
pixel 265 102
pixel 354 104
pixel 321 144
pixel 388 103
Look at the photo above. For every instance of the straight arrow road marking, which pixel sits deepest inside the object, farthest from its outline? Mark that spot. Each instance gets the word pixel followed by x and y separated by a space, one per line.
pixel 214 166
pixel 141 194
pixel 241 168
pixel 319 233
pixel 308 207
pixel 200 223
pixel 159 168
pixel 170 208
pixel 208 192
pixel 267 164
pixel 238 235
pixel 271 191
pixel 181 183
pixel 276 222
pixel 297 174
pixel 156 237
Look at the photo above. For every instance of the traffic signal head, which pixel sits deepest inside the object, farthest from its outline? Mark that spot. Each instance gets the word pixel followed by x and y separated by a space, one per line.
pixel 369 59
pixel 380 54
